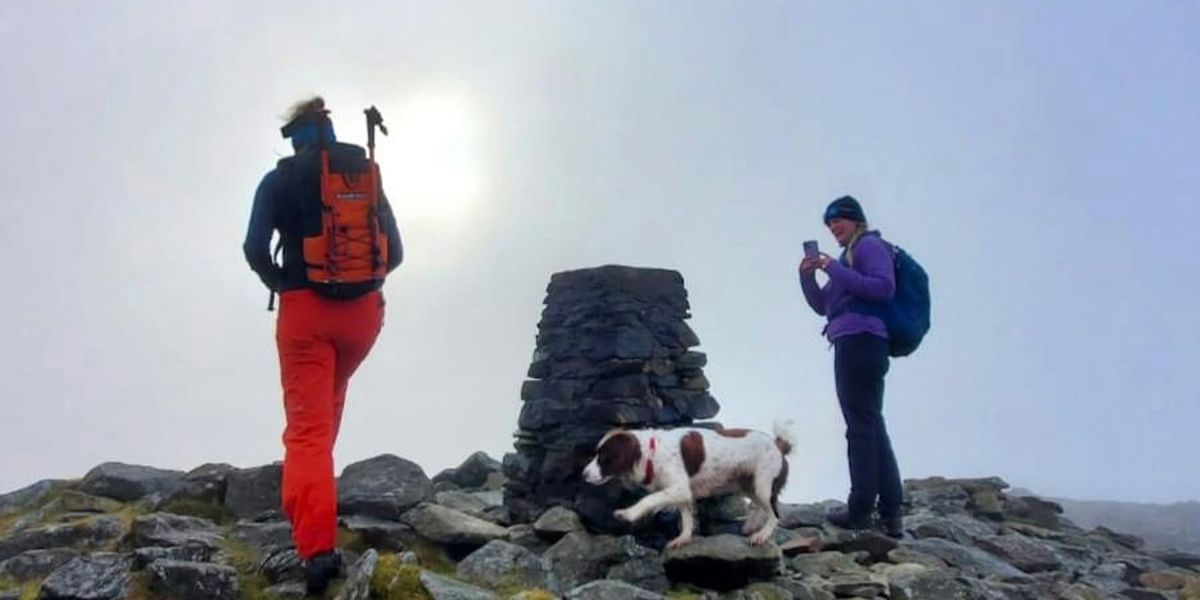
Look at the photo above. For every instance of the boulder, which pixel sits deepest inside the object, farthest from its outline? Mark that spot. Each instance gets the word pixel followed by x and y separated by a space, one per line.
pixel 205 484
pixel 181 580
pixel 524 535
pixel 101 576
pixel 1166 580
pixel 35 564
pixel 383 487
pixel 1183 560
pixel 1021 552
pixel 500 564
pixel 380 533
pixel 281 564
pixel 358 579
pixel 448 526
pixel 722 562
pixel 288 590
pixel 487 506
pixel 932 584
pixel 25 498
pixel 647 572
pixel 88 534
pixel 148 554
pixel 474 472
pixel 825 564
pixel 969 559
pixel 580 557
pixel 254 492
pixel 607 589
pixel 903 555
pixel 858 586
pixel 872 542
pixel 1034 510
pixel 958 528
pixel 444 588
pixel 127 483
pixel 263 536
pixel 556 522
pixel 165 529
pixel 792 516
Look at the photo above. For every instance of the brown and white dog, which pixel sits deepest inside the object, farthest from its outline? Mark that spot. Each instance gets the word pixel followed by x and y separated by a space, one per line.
pixel 681 465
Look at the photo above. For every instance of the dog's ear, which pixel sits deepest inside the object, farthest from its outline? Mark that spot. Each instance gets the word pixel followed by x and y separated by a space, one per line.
pixel 618 454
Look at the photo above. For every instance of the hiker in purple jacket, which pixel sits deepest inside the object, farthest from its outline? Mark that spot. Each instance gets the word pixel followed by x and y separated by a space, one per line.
pixel 865 273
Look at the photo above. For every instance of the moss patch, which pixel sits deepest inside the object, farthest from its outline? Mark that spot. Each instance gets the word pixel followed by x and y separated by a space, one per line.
pixel 508 588
pixel 127 514
pixel 535 595
pixel 7 521
pixel 350 540
pixel 27 590
pixel 245 559
pixel 684 592
pixel 140 588
pixel 47 504
pixel 394 580
pixel 191 507
pixel 433 557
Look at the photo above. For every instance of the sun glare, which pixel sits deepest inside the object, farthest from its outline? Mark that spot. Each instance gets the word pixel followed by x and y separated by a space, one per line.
pixel 431 166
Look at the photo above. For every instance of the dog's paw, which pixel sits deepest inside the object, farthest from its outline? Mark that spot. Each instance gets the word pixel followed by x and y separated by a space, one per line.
pixel 754 521
pixel 760 537
pixel 625 515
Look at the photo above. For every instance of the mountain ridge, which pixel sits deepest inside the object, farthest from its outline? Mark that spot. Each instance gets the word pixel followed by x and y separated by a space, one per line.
pixel 1164 526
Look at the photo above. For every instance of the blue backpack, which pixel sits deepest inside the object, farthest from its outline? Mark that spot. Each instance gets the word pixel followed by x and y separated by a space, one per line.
pixel 907 315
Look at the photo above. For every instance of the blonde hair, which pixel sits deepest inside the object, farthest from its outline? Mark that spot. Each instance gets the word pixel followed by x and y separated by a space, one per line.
pixel 308 106
pixel 858 232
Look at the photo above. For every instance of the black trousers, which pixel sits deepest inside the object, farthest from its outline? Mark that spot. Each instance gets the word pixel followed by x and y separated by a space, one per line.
pixel 859 363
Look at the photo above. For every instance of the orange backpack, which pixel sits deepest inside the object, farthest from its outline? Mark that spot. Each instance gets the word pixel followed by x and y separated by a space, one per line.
pixel 341 244
pixel 351 246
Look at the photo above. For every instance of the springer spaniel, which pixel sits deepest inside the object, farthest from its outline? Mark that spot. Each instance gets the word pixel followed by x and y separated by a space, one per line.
pixel 680 465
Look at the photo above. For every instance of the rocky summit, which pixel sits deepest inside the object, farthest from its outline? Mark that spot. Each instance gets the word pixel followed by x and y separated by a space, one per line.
pixel 613 350
pixel 216 532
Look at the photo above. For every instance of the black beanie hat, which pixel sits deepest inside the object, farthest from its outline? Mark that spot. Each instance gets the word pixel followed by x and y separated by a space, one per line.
pixel 845 207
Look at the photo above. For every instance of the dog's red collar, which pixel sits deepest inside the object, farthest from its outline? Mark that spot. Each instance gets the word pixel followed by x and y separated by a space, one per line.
pixel 650 463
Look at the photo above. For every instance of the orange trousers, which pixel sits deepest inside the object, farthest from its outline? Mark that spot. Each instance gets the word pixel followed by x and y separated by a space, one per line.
pixel 321 342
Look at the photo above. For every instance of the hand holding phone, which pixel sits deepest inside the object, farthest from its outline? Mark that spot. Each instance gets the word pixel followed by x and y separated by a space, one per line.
pixel 811 249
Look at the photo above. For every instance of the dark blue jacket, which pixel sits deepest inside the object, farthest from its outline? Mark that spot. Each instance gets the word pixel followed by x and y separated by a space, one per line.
pixel 279 206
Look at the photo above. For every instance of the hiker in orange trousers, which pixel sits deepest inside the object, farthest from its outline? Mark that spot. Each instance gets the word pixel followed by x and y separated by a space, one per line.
pixel 339 240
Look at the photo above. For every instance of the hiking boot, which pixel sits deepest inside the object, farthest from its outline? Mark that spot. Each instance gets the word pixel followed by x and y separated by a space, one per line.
pixel 846 520
pixel 892 526
pixel 320 569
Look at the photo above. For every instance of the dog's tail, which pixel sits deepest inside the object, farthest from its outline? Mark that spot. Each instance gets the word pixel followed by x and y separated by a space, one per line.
pixel 785 437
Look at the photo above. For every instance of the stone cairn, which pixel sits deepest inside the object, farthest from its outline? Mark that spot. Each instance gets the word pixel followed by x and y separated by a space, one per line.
pixel 612 351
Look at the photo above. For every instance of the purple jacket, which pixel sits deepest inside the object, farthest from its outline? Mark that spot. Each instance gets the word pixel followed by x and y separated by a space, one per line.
pixel 872 279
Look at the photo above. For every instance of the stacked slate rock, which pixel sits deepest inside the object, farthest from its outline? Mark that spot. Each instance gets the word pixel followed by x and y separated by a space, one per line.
pixel 613 350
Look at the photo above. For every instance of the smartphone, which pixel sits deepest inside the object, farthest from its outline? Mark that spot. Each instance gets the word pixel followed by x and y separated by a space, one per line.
pixel 811 249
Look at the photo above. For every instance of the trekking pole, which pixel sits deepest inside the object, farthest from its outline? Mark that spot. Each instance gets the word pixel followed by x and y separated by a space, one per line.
pixel 374 119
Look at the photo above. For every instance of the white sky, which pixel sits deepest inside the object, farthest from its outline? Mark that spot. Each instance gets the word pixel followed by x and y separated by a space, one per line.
pixel 1038 158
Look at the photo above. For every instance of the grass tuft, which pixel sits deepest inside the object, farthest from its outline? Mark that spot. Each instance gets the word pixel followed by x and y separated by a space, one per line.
pixel 394 580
